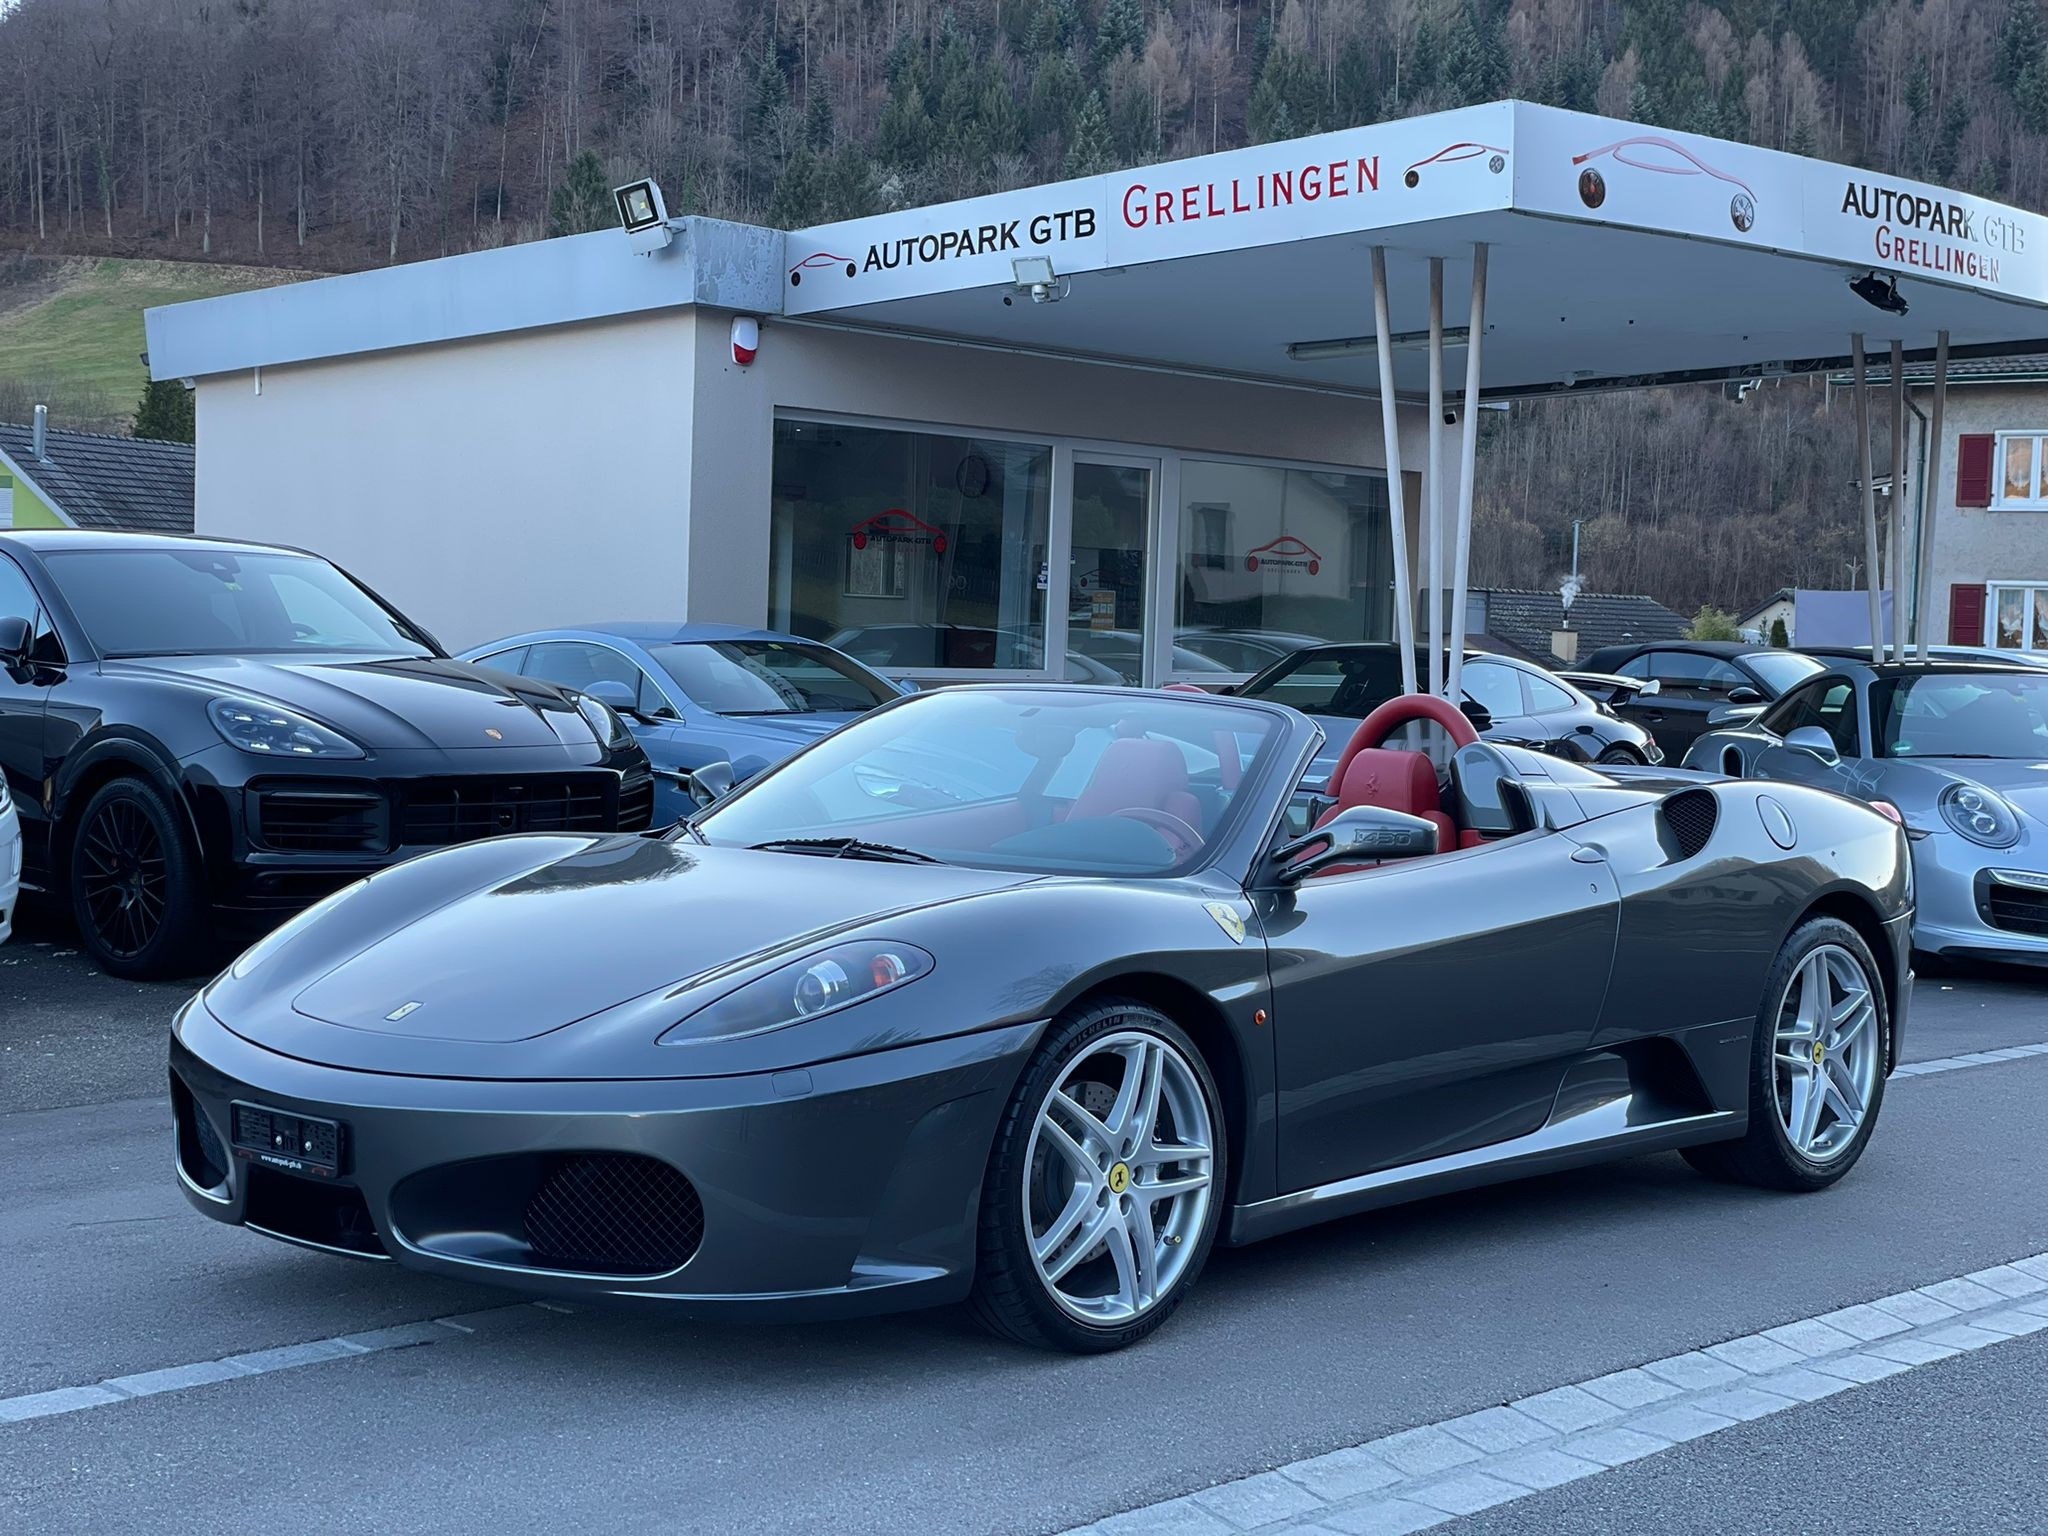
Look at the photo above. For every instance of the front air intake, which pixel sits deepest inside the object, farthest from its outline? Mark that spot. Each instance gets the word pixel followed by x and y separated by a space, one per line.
pixel 1690 817
pixel 614 1213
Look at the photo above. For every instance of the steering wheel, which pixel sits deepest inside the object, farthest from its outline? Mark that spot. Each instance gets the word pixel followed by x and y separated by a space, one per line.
pixel 1402 710
pixel 1186 839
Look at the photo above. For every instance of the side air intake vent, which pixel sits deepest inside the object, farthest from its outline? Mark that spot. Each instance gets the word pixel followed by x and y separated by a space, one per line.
pixel 1690 816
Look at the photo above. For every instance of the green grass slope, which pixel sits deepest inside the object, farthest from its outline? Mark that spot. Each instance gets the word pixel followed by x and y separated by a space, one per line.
pixel 71 330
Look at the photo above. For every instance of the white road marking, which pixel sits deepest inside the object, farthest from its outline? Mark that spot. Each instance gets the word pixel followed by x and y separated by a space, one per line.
pixel 1431 1475
pixel 1973 1059
pixel 205 1373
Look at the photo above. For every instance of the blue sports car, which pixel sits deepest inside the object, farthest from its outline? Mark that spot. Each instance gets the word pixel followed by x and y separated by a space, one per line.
pixel 700 693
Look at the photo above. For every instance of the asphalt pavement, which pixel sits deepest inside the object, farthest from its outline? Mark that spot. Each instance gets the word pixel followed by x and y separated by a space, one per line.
pixel 525 1419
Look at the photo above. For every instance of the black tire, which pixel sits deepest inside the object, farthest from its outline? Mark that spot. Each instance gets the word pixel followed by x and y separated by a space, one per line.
pixel 134 884
pixel 1765 1156
pixel 1621 756
pixel 1010 1298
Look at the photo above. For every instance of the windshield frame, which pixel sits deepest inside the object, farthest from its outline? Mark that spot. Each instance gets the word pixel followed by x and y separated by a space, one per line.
pixel 82 643
pixel 826 656
pixel 1234 849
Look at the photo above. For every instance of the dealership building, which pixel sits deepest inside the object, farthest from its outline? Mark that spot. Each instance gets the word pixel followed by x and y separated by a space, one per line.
pixel 1141 413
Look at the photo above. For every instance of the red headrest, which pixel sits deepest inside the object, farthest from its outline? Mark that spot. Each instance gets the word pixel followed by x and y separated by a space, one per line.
pixel 1395 781
pixel 1133 773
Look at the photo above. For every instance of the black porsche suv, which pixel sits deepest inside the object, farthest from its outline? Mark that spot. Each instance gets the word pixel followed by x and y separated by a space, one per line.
pixel 207 736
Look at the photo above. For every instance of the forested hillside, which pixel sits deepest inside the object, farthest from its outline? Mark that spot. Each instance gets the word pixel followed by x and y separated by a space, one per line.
pixel 334 134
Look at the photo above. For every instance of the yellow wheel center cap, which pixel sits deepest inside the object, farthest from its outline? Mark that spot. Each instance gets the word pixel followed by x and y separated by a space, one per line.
pixel 1820 1052
pixel 1119 1178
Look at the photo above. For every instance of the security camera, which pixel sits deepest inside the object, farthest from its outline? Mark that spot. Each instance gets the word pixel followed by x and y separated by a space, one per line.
pixel 1040 292
pixel 1450 417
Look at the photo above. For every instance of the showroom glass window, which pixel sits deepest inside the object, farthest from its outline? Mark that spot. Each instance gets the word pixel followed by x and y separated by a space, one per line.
pixel 1291 552
pixel 911 551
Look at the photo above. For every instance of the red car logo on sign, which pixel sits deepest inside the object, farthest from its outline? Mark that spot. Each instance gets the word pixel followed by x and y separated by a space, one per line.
pixel 1286 553
pixel 897 526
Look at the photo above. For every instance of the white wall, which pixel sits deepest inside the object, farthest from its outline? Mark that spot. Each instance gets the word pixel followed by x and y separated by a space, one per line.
pixel 1980 544
pixel 483 486
pixel 622 469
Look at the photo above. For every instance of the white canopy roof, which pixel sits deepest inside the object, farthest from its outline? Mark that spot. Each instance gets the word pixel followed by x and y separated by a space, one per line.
pixel 1620 256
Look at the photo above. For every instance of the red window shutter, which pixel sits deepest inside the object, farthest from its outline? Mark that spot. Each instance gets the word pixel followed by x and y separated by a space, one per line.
pixel 1974 452
pixel 1966 614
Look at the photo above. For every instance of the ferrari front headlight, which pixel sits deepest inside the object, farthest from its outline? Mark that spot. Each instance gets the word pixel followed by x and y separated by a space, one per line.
pixel 804 989
pixel 1981 816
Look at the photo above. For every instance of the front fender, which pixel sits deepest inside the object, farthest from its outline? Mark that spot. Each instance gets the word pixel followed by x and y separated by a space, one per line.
pixel 117 752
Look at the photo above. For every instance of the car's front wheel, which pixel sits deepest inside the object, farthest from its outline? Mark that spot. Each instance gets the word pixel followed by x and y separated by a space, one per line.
pixel 135 887
pixel 1817 1065
pixel 1621 756
pixel 1105 1184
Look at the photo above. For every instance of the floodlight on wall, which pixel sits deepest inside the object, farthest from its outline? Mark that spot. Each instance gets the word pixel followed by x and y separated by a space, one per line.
pixel 643 214
pixel 1879 292
pixel 1353 346
pixel 1034 276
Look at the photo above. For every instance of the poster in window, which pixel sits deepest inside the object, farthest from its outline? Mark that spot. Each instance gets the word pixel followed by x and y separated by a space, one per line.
pixel 877 568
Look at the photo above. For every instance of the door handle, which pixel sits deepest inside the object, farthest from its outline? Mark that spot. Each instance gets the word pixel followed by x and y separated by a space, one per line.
pixel 1589 853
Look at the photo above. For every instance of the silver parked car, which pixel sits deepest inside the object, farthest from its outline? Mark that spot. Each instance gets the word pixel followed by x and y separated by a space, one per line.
pixel 1960 750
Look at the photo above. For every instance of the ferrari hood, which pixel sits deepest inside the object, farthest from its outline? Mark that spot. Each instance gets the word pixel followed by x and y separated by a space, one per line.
pixel 389 703
pixel 509 940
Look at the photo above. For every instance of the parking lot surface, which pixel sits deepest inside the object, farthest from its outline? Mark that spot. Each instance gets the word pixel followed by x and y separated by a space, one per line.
pixel 513 1417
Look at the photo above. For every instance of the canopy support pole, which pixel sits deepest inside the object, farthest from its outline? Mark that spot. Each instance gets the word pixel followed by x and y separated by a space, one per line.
pixel 1898 508
pixel 1397 499
pixel 1461 561
pixel 1923 552
pixel 1436 475
pixel 1870 572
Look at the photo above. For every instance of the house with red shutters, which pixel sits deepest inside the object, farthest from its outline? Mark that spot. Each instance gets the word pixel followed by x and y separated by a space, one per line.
pixel 1984 498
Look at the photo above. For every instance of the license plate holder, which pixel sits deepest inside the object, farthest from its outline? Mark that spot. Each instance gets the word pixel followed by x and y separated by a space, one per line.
pixel 285 1139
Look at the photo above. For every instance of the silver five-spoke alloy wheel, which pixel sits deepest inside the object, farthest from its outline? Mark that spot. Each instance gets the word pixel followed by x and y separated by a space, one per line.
pixel 1118 1177
pixel 1826 1055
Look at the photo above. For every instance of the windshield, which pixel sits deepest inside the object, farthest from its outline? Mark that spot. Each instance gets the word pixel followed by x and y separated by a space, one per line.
pixel 216 602
pixel 1044 780
pixel 1962 715
pixel 1783 669
pixel 770 677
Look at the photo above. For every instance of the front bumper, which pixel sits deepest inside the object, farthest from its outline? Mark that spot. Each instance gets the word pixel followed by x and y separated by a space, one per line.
pixel 1978 903
pixel 848 1187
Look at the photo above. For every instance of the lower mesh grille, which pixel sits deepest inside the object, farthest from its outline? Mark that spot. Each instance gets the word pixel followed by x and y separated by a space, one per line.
pixel 2015 909
pixel 614 1213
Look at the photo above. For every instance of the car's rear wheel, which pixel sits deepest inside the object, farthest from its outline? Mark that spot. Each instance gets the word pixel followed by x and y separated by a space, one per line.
pixel 1817 1066
pixel 1620 756
pixel 135 888
pixel 1105 1184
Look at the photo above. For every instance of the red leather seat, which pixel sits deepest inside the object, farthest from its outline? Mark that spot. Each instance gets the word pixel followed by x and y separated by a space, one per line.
pixel 1395 781
pixel 1138 773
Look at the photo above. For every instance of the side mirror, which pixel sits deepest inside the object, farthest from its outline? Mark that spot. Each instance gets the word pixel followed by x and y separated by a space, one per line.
pixel 620 696
pixel 17 635
pixel 1361 834
pixel 1480 716
pixel 1744 696
pixel 1815 743
pixel 710 783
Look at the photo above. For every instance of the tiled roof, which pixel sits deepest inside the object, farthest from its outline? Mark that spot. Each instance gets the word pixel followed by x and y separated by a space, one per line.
pixel 1526 619
pixel 2030 368
pixel 123 483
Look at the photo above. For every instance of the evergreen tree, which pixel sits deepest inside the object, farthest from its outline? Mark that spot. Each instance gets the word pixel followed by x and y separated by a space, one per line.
pixel 799 192
pixel 1121 33
pixel 1287 100
pixel 1948 144
pixel 2019 43
pixel 1088 153
pixel 1354 98
pixel 818 125
pixel 1056 95
pixel 165 414
pixel 1000 124
pixel 583 201
pixel 1474 65
pixel 2030 96
pixel 1780 639
pixel 849 185
pixel 903 138
pixel 1133 130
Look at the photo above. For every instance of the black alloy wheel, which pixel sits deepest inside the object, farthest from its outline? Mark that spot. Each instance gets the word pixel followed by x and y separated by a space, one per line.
pixel 134 883
pixel 1620 756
